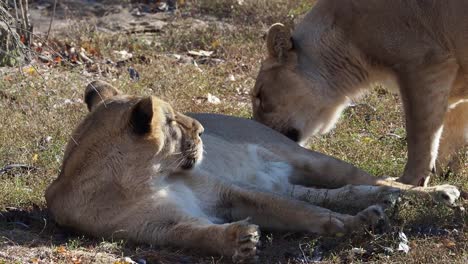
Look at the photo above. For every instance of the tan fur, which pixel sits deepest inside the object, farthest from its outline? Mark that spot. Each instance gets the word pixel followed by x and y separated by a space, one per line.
pixel 455 135
pixel 341 47
pixel 134 170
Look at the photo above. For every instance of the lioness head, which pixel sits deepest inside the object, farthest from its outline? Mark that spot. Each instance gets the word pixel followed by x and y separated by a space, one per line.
pixel 123 144
pixel 143 124
pixel 289 98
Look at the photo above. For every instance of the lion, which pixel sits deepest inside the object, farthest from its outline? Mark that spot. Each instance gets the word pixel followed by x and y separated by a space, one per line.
pixel 136 169
pixel 341 48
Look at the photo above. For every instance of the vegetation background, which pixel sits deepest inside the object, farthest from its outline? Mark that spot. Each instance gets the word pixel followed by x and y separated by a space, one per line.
pixel 201 57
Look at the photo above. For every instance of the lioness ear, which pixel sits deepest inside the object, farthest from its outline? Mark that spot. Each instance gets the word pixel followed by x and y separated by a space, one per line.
pixel 98 91
pixel 142 115
pixel 279 41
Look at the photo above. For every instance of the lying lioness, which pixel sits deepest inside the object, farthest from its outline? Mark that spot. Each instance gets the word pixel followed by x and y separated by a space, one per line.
pixel 136 169
pixel 342 46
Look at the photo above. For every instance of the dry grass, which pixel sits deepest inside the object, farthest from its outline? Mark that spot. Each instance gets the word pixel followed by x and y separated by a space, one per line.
pixel 38 106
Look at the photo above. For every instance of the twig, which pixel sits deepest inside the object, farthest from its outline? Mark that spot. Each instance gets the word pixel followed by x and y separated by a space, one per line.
pixel 354 105
pixel 14 34
pixel 24 5
pixel 14 166
pixel 16 10
pixel 45 44
pixel 28 24
pixel 44 226
pixel 23 15
pixel 51 20
pixel 305 258
pixel 9 28
pixel 391 135
pixel 394 135
pixel 21 224
pixel 7 54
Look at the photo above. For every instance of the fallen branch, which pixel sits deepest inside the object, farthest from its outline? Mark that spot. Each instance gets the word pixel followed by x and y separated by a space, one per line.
pixel 17 166
pixel 51 21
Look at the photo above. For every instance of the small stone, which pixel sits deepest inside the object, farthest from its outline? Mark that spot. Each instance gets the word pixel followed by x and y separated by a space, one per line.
pixel 388 250
pixel 359 251
pixel 134 75
pixel 128 260
pixel 213 99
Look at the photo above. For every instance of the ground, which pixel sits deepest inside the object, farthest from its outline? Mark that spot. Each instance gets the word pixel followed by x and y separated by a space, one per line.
pixel 203 57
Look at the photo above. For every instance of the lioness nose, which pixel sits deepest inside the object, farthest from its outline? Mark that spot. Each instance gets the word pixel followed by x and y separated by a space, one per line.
pixel 293 134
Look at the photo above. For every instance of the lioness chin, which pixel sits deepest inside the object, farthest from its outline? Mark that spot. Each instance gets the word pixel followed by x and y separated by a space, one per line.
pixel 341 47
pixel 136 169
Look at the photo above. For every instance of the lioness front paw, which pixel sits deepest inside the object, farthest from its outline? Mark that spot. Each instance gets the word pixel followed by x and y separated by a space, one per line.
pixel 446 194
pixel 373 217
pixel 244 239
pixel 363 196
pixel 385 196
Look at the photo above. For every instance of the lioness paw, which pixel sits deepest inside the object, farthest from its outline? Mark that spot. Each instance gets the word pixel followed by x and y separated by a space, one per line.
pixel 446 194
pixel 382 195
pixel 388 197
pixel 373 217
pixel 244 239
pixel 363 196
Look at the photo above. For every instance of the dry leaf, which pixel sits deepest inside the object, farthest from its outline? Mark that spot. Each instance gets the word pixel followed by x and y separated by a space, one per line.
pixel 448 243
pixel 30 70
pixel 216 43
pixel 74 58
pixel 61 250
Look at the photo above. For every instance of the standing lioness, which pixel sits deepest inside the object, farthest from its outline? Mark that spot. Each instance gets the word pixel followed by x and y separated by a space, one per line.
pixel 137 169
pixel 342 46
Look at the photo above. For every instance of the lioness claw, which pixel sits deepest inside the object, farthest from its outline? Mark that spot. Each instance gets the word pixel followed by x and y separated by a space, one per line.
pixel 246 239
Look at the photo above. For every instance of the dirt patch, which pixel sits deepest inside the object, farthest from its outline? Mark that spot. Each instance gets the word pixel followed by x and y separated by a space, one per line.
pixel 108 16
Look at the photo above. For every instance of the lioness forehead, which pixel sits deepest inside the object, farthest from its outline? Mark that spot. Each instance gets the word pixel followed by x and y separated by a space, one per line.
pixel 125 102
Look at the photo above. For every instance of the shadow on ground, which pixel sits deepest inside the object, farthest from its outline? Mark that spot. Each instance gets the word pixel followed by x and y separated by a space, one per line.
pixel 33 230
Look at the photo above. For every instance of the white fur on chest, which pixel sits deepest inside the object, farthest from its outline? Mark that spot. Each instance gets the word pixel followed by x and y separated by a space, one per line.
pixel 265 173
pixel 184 198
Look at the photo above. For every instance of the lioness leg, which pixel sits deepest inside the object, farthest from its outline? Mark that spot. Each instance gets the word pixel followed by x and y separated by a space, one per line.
pixel 424 115
pixel 361 196
pixel 348 197
pixel 278 212
pixel 455 134
pixel 324 171
pixel 169 226
pixel 307 171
